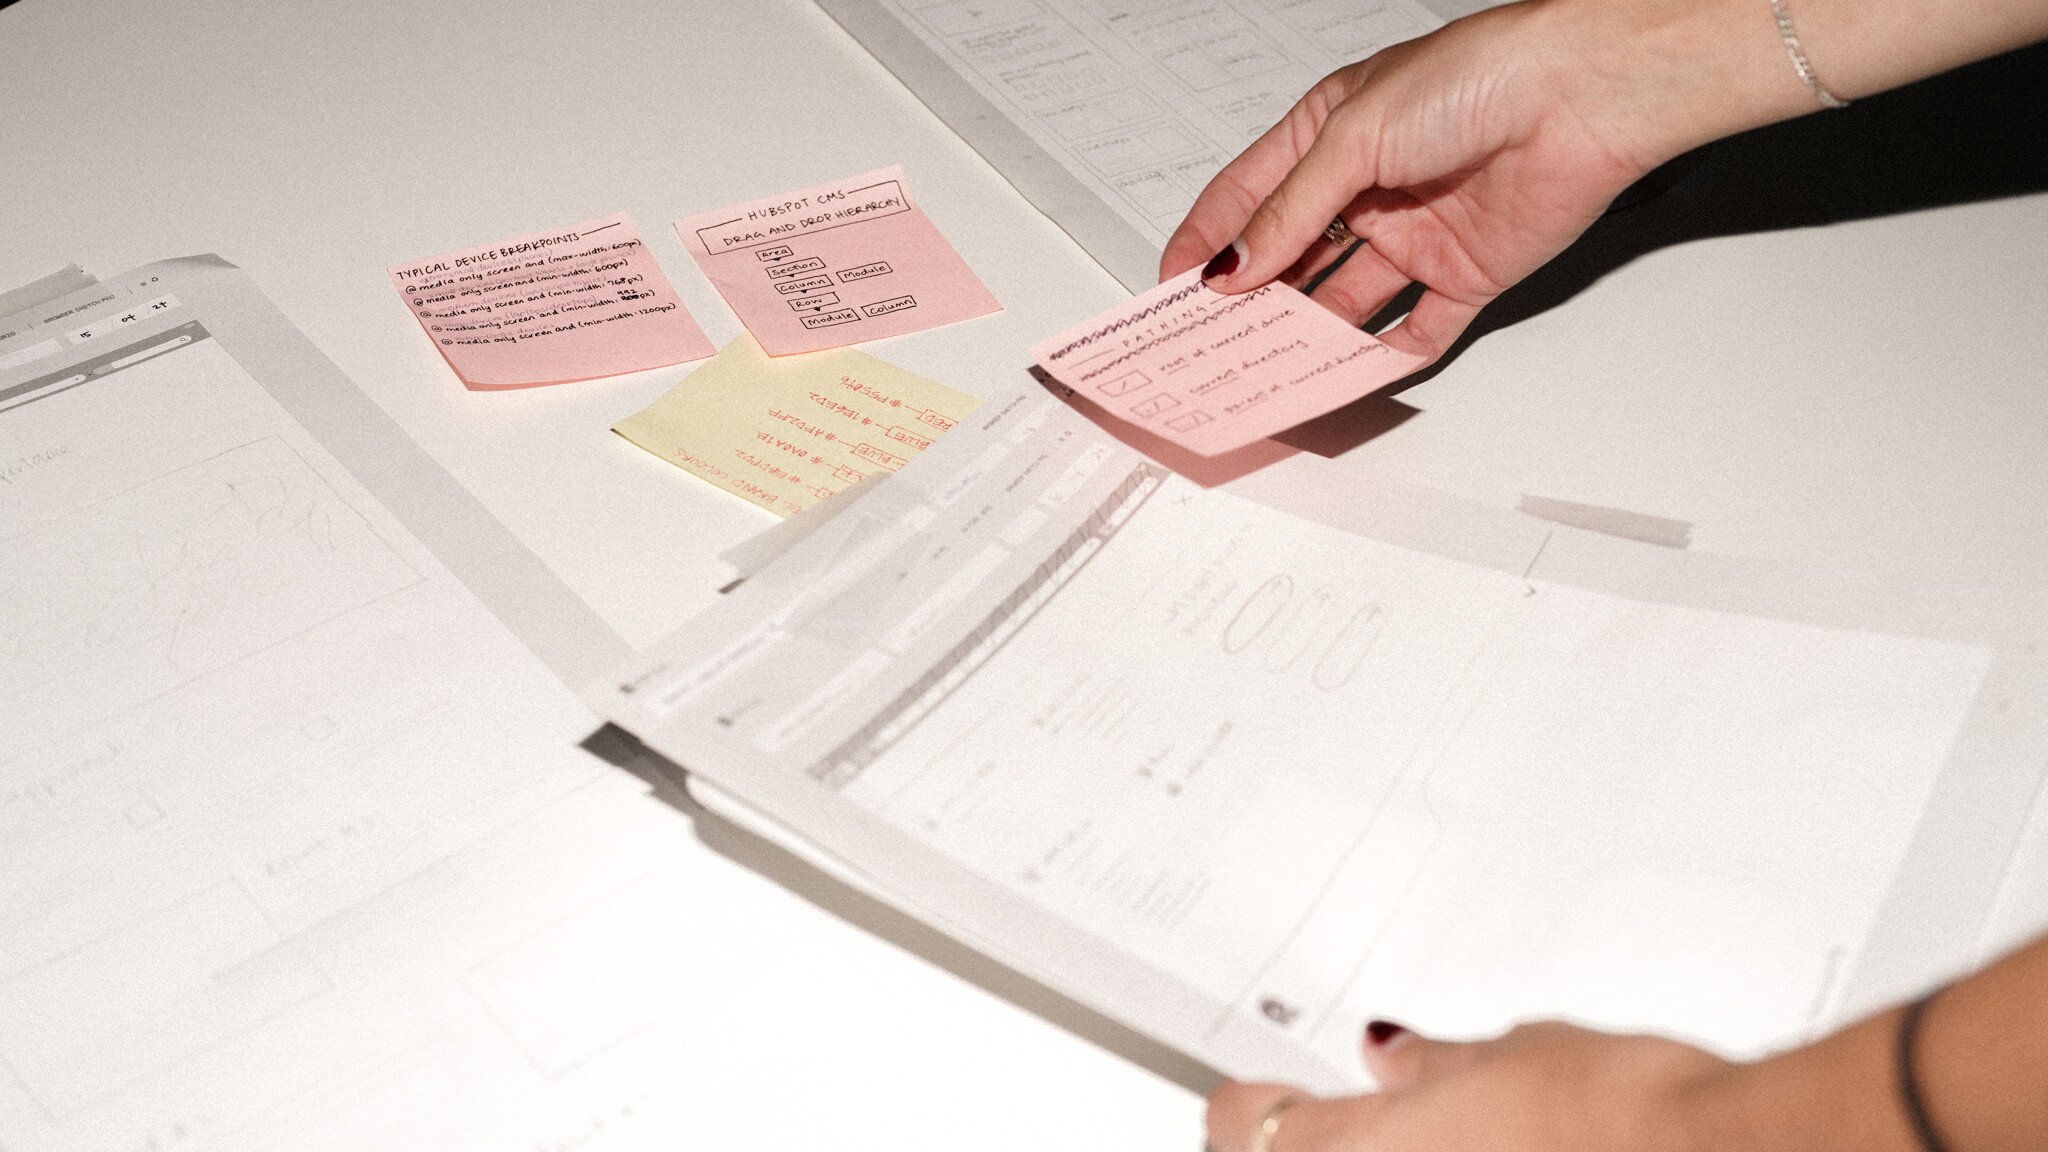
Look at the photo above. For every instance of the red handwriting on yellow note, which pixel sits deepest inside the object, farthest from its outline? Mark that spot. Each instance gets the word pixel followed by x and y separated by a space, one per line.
pixel 788 431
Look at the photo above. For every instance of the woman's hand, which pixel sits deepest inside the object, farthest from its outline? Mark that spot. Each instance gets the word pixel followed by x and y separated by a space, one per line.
pixel 1469 157
pixel 1540 1088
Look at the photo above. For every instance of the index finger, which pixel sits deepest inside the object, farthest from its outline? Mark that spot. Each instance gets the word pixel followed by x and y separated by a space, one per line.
pixel 1310 1124
pixel 1227 202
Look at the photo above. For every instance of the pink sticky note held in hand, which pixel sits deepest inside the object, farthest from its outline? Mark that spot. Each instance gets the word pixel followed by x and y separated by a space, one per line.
pixel 834 265
pixel 1213 373
pixel 551 307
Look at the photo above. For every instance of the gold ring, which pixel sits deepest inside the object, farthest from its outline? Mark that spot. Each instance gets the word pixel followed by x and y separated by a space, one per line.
pixel 1269 1124
pixel 1339 233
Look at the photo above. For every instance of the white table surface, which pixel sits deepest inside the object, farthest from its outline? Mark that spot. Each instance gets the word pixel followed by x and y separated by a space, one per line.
pixel 1865 395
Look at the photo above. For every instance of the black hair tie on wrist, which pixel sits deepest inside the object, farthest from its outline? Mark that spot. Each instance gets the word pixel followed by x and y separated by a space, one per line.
pixel 1909 1080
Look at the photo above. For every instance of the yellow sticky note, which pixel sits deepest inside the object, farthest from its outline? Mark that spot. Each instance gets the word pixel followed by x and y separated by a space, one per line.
pixel 788 431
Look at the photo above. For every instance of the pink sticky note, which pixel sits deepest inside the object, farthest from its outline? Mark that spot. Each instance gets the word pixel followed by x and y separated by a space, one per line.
pixel 1213 373
pixel 551 307
pixel 833 265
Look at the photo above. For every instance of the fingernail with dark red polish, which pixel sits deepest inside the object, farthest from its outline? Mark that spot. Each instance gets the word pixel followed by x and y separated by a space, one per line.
pixel 1383 1032
pixel 1221 264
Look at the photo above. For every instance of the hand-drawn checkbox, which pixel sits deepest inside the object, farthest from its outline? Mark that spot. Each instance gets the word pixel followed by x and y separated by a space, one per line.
pixel 1156 405
pixel 1189 422
pixel 1128 382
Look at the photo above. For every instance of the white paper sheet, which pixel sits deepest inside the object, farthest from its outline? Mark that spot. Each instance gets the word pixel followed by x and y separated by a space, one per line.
pixel 299 848
pixel 1110 115
pixel 1243 781
pixel 2020 915
pixel 62 282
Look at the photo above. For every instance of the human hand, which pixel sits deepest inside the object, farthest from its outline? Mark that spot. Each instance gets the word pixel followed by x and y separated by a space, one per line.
pixel 1540 1088
pixel 1465 159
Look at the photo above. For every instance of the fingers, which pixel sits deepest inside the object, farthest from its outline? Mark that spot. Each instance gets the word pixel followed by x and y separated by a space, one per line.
pixel 1231 196
pixel 1211 225
pixel 1400 1059
pixel 1336 167
pixel 1432 327
pixel 1221 211
pixel 1361 287
pixel 1236 1112
pixel 1364 285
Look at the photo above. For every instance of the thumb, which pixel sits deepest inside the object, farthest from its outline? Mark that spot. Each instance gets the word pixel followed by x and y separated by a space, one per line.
pixel 1398 1058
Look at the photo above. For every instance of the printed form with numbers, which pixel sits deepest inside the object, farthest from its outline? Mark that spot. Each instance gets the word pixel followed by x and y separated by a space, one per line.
pixel 1243 781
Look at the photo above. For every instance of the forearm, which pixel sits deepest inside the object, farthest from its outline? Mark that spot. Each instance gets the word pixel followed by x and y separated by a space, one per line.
pixel 1982 1068
pixel 1670 75
pixel 1860 47
pixel 1984 1057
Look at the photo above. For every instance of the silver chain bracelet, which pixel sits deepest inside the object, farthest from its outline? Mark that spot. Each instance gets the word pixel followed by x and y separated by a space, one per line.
pixel 1800 63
